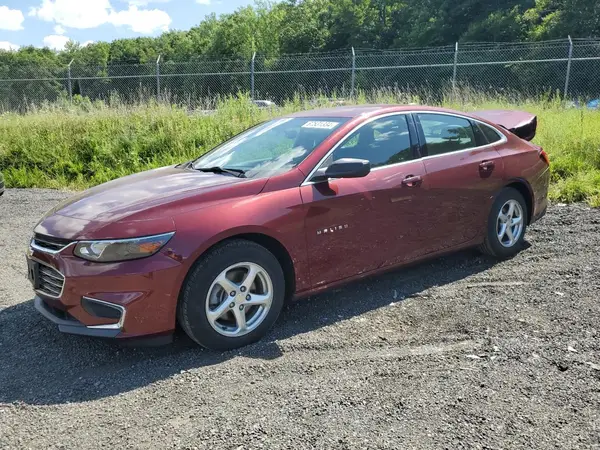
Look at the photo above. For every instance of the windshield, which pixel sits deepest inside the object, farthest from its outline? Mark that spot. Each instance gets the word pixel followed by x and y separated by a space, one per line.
pixel 271 148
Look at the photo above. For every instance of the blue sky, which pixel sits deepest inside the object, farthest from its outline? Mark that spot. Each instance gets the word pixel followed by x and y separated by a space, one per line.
pixel 52 23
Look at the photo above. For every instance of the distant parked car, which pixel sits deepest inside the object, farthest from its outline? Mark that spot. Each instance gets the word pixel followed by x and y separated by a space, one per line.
pixel 264 103
pixel 593 104
pixel 1 184
pixel 330 102
pixel 289 208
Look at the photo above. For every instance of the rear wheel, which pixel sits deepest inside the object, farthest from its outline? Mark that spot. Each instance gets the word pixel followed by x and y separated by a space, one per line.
pixel 507 224
pixel 232 296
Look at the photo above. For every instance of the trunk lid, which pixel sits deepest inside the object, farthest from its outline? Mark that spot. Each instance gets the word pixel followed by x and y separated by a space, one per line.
pixel 520 123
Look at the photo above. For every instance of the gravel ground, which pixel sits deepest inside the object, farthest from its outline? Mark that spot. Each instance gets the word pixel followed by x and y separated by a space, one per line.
pixel 460 352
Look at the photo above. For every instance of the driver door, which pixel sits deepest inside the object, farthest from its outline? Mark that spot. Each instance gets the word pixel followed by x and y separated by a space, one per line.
pixel 356 225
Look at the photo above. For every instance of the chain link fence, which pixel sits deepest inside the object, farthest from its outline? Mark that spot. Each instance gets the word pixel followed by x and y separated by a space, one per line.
pixel 566 67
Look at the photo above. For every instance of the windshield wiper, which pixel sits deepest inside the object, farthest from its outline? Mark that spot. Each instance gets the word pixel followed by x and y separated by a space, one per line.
pixel 235 172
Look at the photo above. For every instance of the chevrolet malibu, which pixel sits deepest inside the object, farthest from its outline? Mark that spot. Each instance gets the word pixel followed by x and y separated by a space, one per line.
pixel 286 209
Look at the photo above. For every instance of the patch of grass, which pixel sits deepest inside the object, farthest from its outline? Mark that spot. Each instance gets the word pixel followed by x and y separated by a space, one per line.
pixel 85 144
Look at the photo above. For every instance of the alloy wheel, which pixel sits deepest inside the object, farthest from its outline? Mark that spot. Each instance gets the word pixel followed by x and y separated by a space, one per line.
pixel 509 224
pixel 239 299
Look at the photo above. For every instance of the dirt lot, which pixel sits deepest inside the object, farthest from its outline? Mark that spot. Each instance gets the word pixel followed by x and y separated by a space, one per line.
pixel 460 352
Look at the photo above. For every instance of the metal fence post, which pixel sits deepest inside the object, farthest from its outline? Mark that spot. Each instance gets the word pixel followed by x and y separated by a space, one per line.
pixel 455 67
pixel 158 78
pixel 567 79
pixel 69 81
pixel 252 76
pixel 353 80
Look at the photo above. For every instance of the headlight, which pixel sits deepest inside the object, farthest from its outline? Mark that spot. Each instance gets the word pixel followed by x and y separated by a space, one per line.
pixel 121 249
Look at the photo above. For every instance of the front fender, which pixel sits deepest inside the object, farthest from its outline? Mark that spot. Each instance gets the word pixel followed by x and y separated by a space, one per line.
pixel 278 215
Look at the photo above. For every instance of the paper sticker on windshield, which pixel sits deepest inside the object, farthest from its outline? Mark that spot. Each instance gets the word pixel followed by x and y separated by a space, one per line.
pixel 320 125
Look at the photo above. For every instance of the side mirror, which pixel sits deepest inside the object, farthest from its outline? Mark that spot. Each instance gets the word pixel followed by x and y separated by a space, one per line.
pixel 343 168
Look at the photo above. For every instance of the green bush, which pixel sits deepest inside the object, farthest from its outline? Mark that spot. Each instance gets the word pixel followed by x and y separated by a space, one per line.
pixel 84 144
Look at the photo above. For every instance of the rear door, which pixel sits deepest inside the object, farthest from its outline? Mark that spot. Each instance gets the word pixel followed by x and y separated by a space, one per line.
pixel 354 226
pixel 464 172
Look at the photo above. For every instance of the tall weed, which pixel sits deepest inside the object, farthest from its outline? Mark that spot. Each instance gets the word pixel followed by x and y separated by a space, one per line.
pixel 79 145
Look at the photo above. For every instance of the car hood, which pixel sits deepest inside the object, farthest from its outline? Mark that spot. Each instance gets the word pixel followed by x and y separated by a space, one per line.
pixel 152 194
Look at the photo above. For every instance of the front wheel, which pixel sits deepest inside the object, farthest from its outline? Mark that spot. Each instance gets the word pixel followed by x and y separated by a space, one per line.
pixel 232 296
pixel 507 224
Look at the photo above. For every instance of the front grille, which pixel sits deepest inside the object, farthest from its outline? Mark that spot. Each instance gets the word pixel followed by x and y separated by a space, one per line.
pixel 50 281
pixel 50 243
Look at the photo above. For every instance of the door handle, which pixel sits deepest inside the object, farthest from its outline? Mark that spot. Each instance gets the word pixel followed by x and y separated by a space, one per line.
pixel 487 165
pixel 412 181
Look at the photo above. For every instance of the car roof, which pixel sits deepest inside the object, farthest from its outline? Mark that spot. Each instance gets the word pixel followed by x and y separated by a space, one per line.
pixel 365 110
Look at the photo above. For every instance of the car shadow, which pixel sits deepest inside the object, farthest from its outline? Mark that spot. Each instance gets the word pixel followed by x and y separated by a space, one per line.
pixel 41 366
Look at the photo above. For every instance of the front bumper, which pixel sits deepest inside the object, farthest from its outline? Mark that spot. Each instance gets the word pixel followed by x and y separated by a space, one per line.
pixel 115 300
pixel 68 324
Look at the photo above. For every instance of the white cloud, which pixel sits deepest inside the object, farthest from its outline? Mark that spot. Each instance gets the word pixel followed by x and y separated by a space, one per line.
pixel 93 13
pixel 145 21
pixel 203 2
pixel 56 42
pixel 73 13
pixel 59 30
pixel 86 43
pixel 11 19
pixel 145 2
pixel 4 45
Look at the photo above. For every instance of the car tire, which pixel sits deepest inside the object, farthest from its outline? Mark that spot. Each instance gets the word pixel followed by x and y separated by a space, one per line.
pixel 508 206
pixel 206 292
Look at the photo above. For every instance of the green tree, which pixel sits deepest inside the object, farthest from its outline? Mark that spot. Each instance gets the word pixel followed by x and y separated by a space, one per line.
pixel 549 19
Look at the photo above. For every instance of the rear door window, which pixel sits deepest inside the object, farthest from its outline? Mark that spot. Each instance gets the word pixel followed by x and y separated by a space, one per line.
pixel 445 133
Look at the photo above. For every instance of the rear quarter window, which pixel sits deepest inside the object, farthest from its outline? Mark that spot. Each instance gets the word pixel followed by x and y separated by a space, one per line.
pixel 491 135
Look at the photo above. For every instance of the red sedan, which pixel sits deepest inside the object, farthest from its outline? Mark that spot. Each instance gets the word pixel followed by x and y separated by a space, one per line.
pixel 286 209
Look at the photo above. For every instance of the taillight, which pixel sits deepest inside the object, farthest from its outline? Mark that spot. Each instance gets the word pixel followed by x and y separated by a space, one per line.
pixel 544 156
